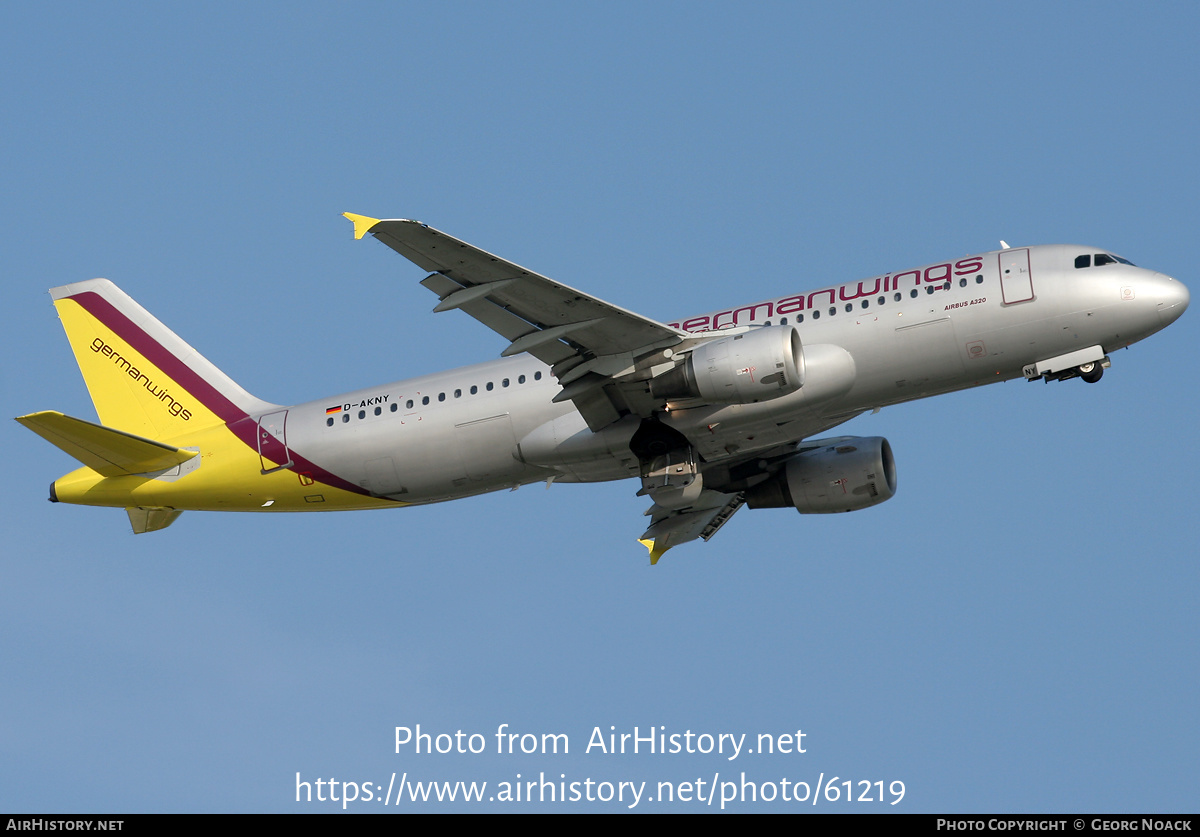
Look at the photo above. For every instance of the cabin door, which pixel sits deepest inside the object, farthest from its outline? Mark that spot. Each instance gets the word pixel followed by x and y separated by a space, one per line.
pixel 1016 282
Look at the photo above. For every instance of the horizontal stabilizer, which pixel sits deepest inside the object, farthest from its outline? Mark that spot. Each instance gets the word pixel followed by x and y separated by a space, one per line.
pixel 108 452
pixel 151 519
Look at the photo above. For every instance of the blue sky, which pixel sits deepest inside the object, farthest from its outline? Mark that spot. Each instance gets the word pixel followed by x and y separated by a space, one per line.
pixel 1015 631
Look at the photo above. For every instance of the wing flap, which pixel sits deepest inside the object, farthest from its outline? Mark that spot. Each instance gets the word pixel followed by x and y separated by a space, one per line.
pixel 108 452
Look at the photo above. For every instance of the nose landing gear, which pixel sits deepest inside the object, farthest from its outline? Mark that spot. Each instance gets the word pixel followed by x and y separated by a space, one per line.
pixel 1091 372
pixel 1088 364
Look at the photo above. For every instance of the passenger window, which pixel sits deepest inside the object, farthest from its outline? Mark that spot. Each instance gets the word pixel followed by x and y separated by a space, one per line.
pixel 329 422
pixel 962 283
pixel 362 414
pixel 832 310
pixel 425 400
pixel 395 406
pixel 458 393
pixel 345 417
pixel 816 315
pixel 408 404
pixel 979 279
pixel 489 386
pixel 504 383
pixel 521 379
pixel 913 293
pixel 850 306
pixel 783 320
pixel 929 289
pixel 865 303
pixel 897 297
pixel 441 396
pixel 379 411
pixel 799 318
pixel 881 300
pixel 474 389
pixel 1084 261
pixel 767 323
pixel 537 376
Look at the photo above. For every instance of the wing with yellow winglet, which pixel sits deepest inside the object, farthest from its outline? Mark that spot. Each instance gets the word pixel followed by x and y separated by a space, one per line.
pixel 671 527
pixel 591 345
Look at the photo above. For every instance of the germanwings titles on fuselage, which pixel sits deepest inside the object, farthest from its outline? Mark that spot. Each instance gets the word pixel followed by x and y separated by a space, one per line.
pixel 709 413
pixel 935 277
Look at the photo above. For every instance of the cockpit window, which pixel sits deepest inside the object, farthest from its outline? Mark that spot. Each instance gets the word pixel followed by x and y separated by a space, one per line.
pixel 1100 259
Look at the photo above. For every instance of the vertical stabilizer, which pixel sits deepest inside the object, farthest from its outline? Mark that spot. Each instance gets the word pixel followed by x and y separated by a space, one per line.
pixel 143 378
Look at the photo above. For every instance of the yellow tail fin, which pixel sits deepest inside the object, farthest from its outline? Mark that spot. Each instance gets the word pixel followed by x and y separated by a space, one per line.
pixel 142 378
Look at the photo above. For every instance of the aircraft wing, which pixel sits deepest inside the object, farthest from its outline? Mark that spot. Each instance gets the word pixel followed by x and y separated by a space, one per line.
pixel 669 528
pixel 590 344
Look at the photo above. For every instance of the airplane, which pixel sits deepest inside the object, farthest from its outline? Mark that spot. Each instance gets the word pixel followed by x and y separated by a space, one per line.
pixel 709 413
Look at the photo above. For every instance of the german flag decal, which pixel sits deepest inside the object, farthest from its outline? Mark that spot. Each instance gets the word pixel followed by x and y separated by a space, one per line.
pixel 331 410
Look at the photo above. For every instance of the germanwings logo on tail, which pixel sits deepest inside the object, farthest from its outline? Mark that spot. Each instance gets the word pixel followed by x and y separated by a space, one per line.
pixel 160 392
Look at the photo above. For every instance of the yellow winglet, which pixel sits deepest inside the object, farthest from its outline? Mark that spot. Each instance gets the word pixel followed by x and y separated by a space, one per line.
pixel 362 224
pixel 656 551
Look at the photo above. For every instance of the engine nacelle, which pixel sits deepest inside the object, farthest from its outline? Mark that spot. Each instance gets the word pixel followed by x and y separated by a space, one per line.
pixel 846 475
pixel 759 365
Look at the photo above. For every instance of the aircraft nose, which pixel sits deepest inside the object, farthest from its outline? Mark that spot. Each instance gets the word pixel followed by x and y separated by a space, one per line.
pixel 1173 298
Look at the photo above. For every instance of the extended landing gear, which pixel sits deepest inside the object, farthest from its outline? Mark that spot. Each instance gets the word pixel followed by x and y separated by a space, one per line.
pixel 1080 364
pixel 670 467
pixel 1091 372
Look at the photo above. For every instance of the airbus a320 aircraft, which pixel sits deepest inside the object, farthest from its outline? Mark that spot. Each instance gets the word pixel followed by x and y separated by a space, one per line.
pixel 709 413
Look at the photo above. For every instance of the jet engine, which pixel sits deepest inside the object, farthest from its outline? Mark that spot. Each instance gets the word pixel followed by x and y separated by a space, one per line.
pixel 745 368
pixel 846 475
